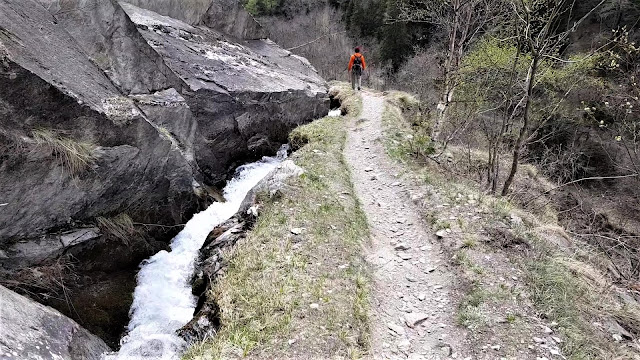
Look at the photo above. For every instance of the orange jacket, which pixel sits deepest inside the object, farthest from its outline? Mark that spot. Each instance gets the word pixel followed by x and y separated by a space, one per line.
pixel 353 58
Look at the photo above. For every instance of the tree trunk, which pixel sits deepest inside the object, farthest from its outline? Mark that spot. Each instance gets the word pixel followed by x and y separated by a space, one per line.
pixel 533 68
pixel 447 94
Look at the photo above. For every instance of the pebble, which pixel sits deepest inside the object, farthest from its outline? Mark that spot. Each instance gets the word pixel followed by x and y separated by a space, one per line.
pixel 441 233
pixel 404 256
pixel 399 330
pixel 314 306
pixel 402 247
pixel 296 231
pixel 404 344
pixel 415 318
pixel 445 350
pixel 422 296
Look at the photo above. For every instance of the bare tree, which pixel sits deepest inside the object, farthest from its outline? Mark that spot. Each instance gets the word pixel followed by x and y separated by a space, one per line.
pixel 541 32
pixel 461 21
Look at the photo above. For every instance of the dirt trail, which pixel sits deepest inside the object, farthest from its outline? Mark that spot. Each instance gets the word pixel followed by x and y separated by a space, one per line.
pixel 413 313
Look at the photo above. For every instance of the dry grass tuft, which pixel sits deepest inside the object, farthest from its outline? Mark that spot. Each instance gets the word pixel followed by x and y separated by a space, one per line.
pixel 75 156
pixel 45 280
pixel 120 227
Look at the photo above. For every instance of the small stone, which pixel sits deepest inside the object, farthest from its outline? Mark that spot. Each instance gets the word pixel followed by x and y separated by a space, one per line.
pixel 538 340
pixel 404 256
pixel 515 219
pixel 292 341
pixel 399 330
pixel 431 269
pixel 547 330
pixel 415 318
pixel 441 233
pixel 403 344
pixel 554 352
pixel 296 231
pixel 314 306
pixel 396 184
pixel 556 339
pixel 422 296
pixel 445 350
pixel 368 169
pixel 496 347
pixel 402 247
pixel 411 278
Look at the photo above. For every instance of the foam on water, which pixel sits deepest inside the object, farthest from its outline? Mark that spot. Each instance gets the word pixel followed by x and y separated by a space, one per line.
pixel 162 300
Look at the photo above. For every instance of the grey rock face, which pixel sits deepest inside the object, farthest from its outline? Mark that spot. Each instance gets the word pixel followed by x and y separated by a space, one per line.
pixel 33 331
pixel 105 33
pixel 189 11
pixel 245 97
pixel 109 109
pixel 135 168
pixel 229 17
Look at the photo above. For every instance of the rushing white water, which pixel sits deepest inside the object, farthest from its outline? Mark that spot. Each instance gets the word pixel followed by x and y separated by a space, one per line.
pixel 162 300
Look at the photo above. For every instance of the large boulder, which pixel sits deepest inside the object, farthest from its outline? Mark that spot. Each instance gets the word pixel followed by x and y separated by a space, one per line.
pixel 77 147
pixel 116 125
pixel 245 96
pixel 110 40
pixel 33 331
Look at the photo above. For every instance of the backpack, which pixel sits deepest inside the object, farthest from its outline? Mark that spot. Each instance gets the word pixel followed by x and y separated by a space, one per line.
pixel 357 65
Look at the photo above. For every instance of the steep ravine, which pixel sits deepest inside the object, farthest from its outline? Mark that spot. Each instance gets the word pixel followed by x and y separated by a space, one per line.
pixel 116 125
pixel 162 301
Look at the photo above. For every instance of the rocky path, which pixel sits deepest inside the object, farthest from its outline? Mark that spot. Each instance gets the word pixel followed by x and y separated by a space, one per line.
pixel 413 311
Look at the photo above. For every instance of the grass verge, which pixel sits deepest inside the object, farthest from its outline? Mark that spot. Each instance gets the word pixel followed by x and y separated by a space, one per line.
pixel 300 296
pixel 573 294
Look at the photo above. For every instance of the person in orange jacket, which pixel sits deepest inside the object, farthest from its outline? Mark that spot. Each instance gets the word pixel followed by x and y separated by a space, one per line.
pixel 356 67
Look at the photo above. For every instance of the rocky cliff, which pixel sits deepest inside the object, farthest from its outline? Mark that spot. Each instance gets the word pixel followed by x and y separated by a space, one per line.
pixel 116 121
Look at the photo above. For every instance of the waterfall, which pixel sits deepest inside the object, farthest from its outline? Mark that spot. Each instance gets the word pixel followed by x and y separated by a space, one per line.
pixel 162 300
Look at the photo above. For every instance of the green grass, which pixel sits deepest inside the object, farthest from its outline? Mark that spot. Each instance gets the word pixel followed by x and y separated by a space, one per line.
pixel 469 313
pixel 560 288
pixel 272 278
pixel 564 299
pixel 75 156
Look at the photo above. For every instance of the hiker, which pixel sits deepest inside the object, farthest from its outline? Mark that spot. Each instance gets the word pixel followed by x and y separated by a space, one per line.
pixel 356 67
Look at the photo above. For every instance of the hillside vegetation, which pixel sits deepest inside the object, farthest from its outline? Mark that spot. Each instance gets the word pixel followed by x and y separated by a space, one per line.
pixel 551 84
